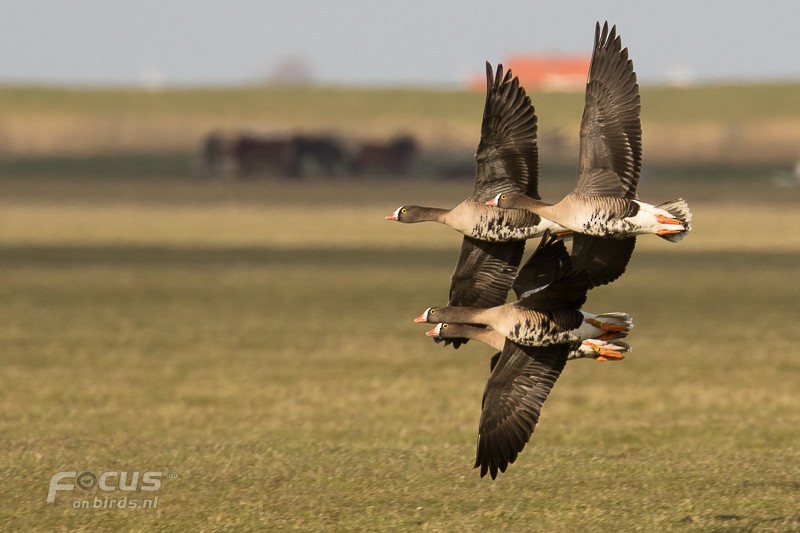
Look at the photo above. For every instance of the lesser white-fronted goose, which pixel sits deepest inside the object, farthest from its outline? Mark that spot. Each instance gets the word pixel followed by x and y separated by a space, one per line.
pixel 599 350
pixel 548 314
pixel 552 291
pixel 494 239
pixel 507 160
pixel 600 260
pixel 604 202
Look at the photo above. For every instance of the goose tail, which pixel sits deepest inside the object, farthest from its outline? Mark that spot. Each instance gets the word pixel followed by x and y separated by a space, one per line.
pixel 611 326
pixel 679 210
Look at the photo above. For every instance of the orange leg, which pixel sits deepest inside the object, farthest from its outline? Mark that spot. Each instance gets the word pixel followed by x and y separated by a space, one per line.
pixel 668 220
pixel 601 358
pixel 604 354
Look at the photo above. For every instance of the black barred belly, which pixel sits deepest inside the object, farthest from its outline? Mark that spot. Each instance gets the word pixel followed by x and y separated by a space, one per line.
pixel 499 227
pixel 533 332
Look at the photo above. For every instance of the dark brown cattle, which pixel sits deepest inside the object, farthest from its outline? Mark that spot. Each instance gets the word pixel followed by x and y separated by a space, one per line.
pixel 393 157
pixel 256 155
pixel 251 154
pixel 317 154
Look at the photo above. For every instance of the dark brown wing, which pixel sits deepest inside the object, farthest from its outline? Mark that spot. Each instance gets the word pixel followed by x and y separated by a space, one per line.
pixel 602 259
pixel 611 131
pixel 548 281
pixel 507 156
pixel 543 266
pixel 512 401
pixel 483 274
pixel 568 291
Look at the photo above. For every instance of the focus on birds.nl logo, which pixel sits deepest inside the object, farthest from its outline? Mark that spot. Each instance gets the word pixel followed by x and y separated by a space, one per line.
pixel 145 485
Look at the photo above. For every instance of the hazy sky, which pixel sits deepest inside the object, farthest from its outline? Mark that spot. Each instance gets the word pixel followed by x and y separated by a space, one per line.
pixel 370 42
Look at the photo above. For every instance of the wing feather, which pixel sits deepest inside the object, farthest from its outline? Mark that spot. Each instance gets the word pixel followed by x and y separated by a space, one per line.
pixel 484 274
pixel 512 402
pixel 602 259
pixel 549 281
pixel 508 156
pixel 611 132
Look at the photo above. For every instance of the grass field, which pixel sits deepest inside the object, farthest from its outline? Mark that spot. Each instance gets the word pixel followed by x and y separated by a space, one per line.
pixel 254 342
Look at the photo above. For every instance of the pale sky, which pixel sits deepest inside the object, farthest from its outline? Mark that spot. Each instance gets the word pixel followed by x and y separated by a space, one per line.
pixel 370 42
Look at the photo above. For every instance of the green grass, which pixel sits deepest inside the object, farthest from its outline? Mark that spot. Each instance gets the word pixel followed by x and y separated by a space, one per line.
pixel 256 340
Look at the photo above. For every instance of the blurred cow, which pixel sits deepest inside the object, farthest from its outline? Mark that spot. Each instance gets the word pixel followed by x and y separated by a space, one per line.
pixel 256 154
pixel 251 154
pixel 317 154
pixel 393 157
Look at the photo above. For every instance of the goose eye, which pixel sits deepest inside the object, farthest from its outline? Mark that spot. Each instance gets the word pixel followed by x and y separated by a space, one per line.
pixel 502 196
pixel 432 311
pixel 444 326
pixel 403 210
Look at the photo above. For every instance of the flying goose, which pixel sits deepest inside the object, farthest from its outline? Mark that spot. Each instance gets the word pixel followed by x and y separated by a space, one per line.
pixel 550 292
pixel 596 349
pixel 507 161
pixel 494 239
pixel 604 201
pixel 548 314
pixel 599 260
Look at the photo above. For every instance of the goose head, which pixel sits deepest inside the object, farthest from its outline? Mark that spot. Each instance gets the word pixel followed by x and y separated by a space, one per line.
pixel 410 214
pixel 438 331
pixel 429 315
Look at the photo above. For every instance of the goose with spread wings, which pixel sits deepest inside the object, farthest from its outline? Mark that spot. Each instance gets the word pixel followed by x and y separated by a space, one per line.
pixel 507 160
pixel 604 201
pixel 549 314
pixel 596 349
pixel 523 374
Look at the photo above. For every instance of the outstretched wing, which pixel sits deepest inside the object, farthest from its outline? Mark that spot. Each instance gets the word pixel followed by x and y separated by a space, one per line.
pixel 602 259
pixel 512 401
pixel 507 156
pixel 611 131
pixel 548 280
pixel 507 160
pixel 483 274
pixel 543 266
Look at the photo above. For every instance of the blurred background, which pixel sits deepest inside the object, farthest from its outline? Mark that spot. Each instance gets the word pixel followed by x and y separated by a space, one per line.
pixel 105 79
pixel 196 276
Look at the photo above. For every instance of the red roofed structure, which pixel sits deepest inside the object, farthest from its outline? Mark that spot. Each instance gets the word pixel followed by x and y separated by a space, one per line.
pixel 544 72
